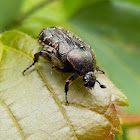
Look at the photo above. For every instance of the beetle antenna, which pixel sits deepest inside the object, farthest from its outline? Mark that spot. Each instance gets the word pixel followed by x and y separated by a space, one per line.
pixel 102 86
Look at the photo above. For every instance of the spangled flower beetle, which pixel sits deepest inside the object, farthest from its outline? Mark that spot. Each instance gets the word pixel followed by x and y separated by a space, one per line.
pixel 69 54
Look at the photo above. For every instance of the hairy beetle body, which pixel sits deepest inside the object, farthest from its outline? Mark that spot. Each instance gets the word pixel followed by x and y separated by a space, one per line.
pixel 69 54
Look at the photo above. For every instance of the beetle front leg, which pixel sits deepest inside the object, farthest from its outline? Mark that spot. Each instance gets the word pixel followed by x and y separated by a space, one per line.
pixel 36 57
pixel 98 69
pixel 73 77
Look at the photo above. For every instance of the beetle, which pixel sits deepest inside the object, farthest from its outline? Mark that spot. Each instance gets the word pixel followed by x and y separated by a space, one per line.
pixel 68 53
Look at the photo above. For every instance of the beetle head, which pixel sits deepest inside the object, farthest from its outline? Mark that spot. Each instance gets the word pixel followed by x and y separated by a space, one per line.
pixel 90 79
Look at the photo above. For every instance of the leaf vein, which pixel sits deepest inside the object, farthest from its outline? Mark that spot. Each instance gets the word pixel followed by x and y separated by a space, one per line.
pixel 15 122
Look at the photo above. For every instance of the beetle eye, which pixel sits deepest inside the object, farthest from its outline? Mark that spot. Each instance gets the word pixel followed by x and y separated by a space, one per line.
pixel 85 79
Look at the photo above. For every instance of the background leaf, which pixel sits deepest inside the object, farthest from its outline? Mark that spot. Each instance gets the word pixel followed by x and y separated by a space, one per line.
pixel 9 11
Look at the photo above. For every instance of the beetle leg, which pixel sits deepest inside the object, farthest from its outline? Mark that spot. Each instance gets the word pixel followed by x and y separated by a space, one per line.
pixel 36 57
pixel 73 77
pixel 98 69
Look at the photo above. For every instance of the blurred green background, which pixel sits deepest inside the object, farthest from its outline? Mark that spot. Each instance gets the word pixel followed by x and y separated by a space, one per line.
pixel 110 27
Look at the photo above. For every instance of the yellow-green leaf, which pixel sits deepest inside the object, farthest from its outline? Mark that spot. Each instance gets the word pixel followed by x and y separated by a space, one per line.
pixel 33 106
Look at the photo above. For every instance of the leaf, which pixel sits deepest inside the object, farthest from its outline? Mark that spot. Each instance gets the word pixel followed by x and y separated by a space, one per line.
pixel 9 11
pixel 50 14
pixel 33 106
pixel 72 7
pixel 129 120
pixel 130 1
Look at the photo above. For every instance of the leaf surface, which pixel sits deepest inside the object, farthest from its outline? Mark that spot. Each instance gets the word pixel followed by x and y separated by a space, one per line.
pixel 33 106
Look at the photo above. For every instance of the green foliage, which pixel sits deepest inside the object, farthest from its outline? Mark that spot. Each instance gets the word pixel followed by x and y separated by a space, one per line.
pixel 9 11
